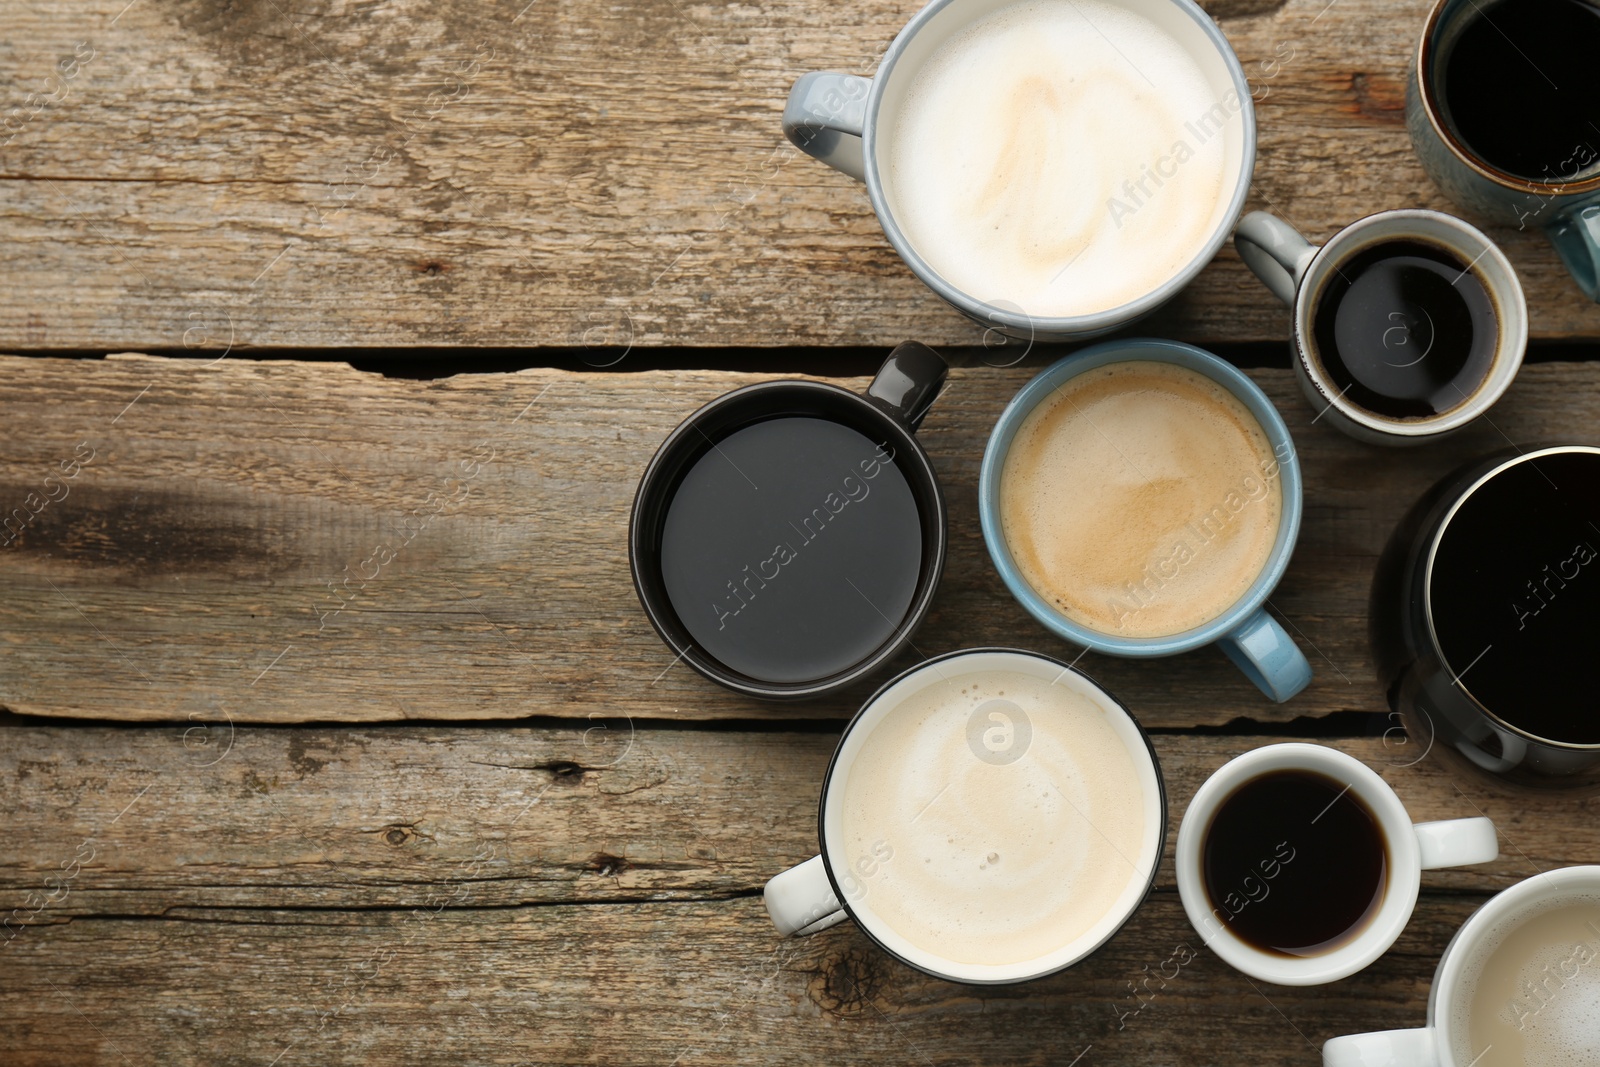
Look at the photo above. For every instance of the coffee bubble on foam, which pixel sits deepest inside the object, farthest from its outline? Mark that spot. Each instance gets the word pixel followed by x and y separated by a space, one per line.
pixel 1568 1030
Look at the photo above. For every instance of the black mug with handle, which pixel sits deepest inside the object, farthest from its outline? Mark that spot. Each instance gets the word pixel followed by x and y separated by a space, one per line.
pixel 787 538
pixel 1486 612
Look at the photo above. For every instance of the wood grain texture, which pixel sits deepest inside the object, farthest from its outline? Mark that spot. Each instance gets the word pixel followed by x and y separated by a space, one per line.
pixel 140 821
pixel 282 542
pixel 653 984
pixel 333 895
pixel 198 173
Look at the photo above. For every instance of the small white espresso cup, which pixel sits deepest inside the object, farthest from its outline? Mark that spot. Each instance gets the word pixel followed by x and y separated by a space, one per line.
pixel 1412 849
pixel 1443 1042
pixel 1298 272
pixel 841 883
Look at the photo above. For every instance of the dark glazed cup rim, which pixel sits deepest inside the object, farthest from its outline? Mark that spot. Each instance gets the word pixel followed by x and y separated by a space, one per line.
pixel 743 407
pixel 1155 764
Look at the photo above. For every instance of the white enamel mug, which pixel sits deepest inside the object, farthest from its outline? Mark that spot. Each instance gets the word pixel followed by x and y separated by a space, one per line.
pixel 1412 848
pixel 841 884
pixel 1443 1042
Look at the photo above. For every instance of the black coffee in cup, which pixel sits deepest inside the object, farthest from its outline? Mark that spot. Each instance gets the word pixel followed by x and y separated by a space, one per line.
pixel 792 548
pixel 1405 329
pixel 1520 86
pixel 1514 595
pixel 787 538
pixel 1294 863
pixel 1485 617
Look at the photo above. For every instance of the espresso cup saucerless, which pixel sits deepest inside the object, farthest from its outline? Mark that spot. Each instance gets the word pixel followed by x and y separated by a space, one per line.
pixel 1299 865
pixel 1501 107
pixel 1407 324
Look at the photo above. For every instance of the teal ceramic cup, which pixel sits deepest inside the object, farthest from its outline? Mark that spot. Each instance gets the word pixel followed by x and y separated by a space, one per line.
pixel 1562 198
pixel 1255 641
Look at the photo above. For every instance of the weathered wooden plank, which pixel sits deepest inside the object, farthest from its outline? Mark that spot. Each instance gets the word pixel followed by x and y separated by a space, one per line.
pixel 138 821
pixel 688 982
pixel 277 542
pixel 194 173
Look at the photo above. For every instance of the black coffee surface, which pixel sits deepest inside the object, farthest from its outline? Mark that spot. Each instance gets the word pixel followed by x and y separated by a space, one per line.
pixel 1521 86
pixel 1405 329
pixel 1515 596
pixel 1294 863
pixel 792 548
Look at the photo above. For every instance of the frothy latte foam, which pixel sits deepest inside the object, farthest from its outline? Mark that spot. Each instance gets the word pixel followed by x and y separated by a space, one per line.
pixel 998 858
pixel 1065 157
pixel 1141 499
pixel 1532 996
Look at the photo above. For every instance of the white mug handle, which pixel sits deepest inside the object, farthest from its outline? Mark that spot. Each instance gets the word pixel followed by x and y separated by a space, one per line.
pixel 801 900
pixel 1385 1048
pixel 1456 843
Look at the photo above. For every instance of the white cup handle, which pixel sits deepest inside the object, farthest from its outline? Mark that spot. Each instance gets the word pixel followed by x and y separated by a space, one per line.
pixel 1385 1048
pixel 1456 843
pixel 801 900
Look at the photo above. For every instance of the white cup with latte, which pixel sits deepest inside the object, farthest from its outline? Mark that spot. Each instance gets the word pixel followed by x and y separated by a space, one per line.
pixel 1052 168
pixel 1518 984
pixel 989 816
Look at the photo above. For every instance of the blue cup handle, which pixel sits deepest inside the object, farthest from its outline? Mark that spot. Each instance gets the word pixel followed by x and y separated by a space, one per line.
pixel 1266 653
pixel 1576 235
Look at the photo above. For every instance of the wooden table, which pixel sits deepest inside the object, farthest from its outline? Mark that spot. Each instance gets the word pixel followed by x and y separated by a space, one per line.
pixel 269 800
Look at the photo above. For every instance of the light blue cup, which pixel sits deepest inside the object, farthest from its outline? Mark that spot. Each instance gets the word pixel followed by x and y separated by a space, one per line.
pixel 1254 640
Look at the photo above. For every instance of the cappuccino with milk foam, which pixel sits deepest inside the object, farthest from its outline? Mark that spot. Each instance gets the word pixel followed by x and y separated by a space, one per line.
pixel 993 817
pixel 1064 156
pixel 1141 499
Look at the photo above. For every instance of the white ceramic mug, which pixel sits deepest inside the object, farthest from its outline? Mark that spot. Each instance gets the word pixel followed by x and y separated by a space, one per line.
pixel 1441 1043
pixel 1412 850
pixel 1297 272
pixel 833 886
pixel 840 119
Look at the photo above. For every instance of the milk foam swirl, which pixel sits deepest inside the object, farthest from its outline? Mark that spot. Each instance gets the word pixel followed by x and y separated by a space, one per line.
pixel 1062 157
pixel 981 855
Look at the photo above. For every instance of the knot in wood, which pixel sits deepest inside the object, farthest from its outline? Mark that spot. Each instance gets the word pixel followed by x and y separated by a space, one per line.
pixel 606 865
pixel 846 983
pixel 562 771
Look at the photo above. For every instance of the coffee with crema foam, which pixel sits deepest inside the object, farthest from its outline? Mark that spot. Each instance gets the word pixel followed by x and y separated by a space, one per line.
pixel 1062 156
pixel 989 837
pixel 1531 995
pixel 1141 499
